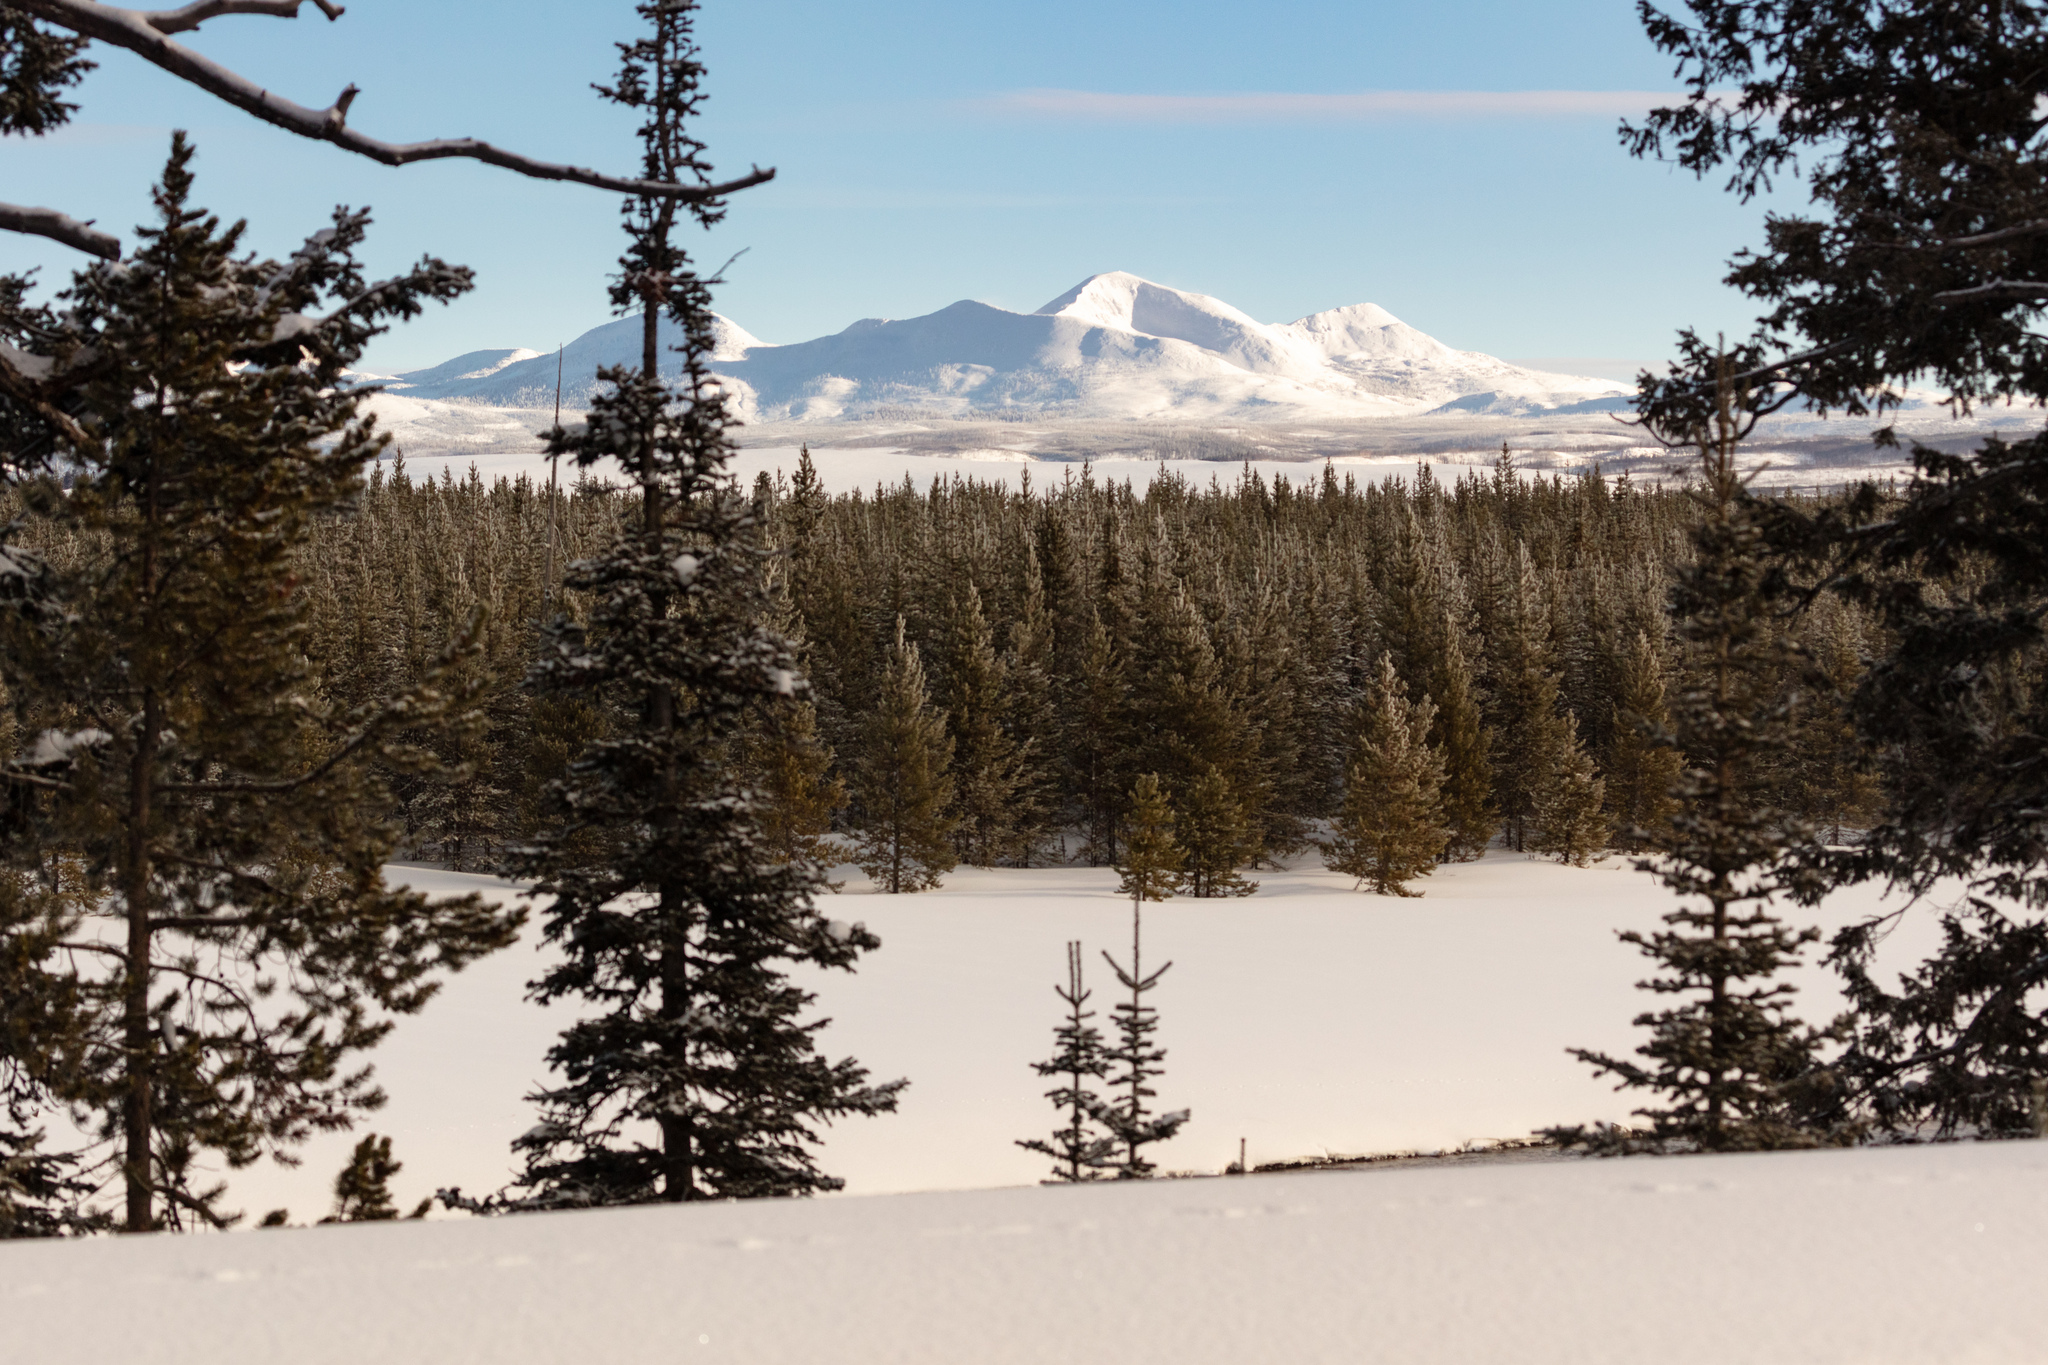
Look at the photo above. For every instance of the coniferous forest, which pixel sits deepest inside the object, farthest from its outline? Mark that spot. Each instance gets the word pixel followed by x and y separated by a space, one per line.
pixel 993 671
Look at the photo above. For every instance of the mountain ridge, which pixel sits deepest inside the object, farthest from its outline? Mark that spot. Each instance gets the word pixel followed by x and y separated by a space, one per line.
pixel 1114 346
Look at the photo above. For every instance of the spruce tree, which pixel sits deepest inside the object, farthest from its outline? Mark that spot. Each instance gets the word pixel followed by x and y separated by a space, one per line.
pixel 1152 858
pixel 1078 1151
pixel 1392 828
pixel 228 825
pixel 694 1076
pixel 1128 1117
pixel 903 794
pixel 1216 836
pixel 1734 1069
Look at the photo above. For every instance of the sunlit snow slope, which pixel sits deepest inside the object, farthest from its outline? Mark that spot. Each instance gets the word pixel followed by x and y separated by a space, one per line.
pixel 1901 1255
pixel 1114 346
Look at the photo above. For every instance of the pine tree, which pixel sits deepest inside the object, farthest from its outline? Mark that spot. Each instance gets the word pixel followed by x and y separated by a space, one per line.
pixel 1641 764
pixel 1392 828
pixel 362 1192
pixel 1077 1150
pixel 1422 624
pixel 1735 1070
pixel 1094 757
pixel 694 1076
pixel 1216 836
pixel 1032 717
pixel 902 791
pixel 1152 858
pixel 1129 1118
pixel 1528 729
pixel 987 769
pixel 1571 821
pixel 229 827
pixel 792 770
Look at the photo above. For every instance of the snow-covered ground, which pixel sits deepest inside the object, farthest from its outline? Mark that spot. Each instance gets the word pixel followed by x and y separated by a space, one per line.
pixel 1307 1019
pixel 1914 1255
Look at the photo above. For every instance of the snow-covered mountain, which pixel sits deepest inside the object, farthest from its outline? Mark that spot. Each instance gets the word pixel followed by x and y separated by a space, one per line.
pixel 1114 346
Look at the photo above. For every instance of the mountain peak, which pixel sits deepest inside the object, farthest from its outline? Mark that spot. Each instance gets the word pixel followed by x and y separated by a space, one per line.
pixel 1116 345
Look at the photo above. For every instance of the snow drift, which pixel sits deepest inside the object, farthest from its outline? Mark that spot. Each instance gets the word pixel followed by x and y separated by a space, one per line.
pixel 1917 1254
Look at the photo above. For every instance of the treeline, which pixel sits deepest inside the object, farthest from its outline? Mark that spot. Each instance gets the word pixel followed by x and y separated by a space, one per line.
pixel 993 670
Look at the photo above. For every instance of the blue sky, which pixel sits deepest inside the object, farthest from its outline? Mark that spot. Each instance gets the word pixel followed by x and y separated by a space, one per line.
pixel 1287 158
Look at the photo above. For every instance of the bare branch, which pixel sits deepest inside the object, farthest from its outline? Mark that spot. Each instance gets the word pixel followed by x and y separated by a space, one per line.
pixel 132 29
pixel 2017 291
pixel 199 11
pixel 60 227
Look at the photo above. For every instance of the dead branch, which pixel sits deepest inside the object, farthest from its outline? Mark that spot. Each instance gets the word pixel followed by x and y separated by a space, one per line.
pixel 138 32
pixel 193 15
pixel 60 227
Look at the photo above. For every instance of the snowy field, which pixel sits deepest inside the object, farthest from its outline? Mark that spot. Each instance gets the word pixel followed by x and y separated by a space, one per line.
pixel 1307 1019
pixel 1917 1255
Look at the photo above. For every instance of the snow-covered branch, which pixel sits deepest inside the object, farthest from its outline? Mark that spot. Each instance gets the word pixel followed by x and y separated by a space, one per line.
pixel 60 227
pixel 1978 239
pixel 2019 291
pixel 140 32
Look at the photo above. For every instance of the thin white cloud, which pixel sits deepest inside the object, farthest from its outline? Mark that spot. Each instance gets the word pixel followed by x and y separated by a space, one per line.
pixel 1287 107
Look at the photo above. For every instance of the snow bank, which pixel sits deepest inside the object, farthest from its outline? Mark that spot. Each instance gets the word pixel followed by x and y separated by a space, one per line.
pixel 1921 1255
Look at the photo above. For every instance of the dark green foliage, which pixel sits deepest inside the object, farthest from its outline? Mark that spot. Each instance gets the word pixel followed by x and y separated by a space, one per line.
pixel 1641 764
pixel 1916 129
pixel 1392 828
pixel 987 769
pixel 225 827
pixel 1128 1117
pixel 1078 1151
pixel 901 789
pixel 694 1076
pixel 1528 744
pixel 36 65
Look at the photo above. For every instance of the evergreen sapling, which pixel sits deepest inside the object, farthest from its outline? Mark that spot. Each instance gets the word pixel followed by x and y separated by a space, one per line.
pixel 1078 1151
pixel 1128 1117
